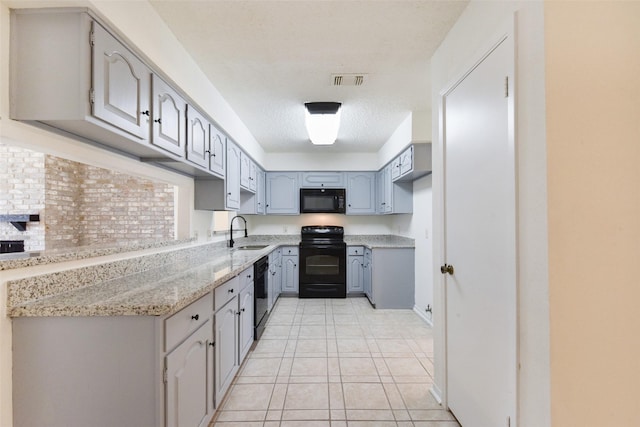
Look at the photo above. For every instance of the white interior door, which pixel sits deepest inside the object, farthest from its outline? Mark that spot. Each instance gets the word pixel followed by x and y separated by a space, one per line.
pixel 480 243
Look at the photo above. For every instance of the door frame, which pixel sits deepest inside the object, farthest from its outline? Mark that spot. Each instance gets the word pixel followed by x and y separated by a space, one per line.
pixel 504 31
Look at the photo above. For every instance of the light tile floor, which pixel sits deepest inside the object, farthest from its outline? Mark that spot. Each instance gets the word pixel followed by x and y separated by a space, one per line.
pixel 336 363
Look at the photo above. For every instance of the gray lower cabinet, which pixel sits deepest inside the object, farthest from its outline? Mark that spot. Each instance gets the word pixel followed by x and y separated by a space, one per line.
pixel 245 316
pixel 392 278
pixel 355 270
pixel 290 270
pixel 226 363
pixel 233 328
pixel 275 277
pixel 132 371
pixel 367 274
pixel 189 393
pixel 103 371
pixel 283 193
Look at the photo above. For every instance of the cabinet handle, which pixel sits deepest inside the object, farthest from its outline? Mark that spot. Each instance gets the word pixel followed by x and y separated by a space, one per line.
pixel 242 310
pixel 195 317
pixel 158 121
pixel 228 194
pixel 145 113
pixel 248 276
pixel 212 344
pixel 230 291
pixel 238 313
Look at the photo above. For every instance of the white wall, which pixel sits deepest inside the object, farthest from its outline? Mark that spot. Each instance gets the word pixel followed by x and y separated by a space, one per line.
pixel 290 224
pixel 419 226
pixel 321 161
pixel 464 43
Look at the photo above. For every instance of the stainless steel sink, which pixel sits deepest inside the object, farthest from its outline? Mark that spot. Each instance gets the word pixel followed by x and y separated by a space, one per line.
pixel 251 247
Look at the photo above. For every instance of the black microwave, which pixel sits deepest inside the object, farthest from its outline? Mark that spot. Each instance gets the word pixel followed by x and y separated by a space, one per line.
pixel 322 200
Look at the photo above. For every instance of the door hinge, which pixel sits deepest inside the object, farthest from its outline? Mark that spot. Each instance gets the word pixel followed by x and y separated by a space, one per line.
pixel 506 87
pixel 92 38
pixel 164 376
pixel 92 96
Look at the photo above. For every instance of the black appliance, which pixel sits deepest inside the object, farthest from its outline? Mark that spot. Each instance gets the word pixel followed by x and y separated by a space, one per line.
pixel 323 262
pixel 322 200
pixel 261 295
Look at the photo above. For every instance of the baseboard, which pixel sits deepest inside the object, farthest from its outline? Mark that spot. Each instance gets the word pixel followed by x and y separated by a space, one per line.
pixel 423 316
pixel 436 393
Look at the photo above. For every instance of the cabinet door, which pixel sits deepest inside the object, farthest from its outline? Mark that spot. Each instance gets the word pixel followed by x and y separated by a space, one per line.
pixel 197 138
pixel 283 194
pixel 395 168
pixel 275 277
pixel 322 180
pixel 368 272
pixel 406 161
pixel 246 321
pixel 355 274
pixel 226 359
pixel 260 192
pixel 361 193
pixel 188 389
pixel 121 85
pixel 253 172
pixel 388 190
pixel 232 179
pixel 169 116
pixel 245 170
pixel 217 151
pixel 290 277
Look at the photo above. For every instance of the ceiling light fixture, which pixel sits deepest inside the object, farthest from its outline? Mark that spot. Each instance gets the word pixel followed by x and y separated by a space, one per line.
pixel 323 121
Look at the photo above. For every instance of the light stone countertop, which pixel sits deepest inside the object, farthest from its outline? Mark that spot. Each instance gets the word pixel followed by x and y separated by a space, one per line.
pixel 153 285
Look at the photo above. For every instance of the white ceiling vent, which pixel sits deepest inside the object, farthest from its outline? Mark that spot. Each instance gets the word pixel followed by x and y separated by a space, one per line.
pixel 354 79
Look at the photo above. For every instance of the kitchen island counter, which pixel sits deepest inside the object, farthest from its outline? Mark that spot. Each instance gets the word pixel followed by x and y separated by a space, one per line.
pixel 152 285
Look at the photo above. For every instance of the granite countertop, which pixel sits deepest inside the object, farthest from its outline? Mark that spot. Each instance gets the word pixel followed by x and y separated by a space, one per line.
pixel 153 285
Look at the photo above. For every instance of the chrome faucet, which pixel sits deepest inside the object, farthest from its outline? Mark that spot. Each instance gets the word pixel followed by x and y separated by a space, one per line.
pixel 231 242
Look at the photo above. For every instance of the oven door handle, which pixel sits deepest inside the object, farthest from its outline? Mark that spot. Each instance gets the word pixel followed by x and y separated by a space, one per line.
pixel 314 247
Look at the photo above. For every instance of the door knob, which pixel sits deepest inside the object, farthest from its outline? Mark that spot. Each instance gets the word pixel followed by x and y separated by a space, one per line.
pixel 444 269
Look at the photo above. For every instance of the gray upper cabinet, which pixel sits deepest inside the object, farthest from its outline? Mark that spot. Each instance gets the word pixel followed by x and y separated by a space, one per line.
pixel 361 193
pixel 393 197
pixel 197 138
pixel 68 72
pixel 217 151
pixel 322 180
pixel 413 163
pixel 260 192
pixel 283 193
pixel 169 112
pixel 232 181
pixel 248 172
pixel 120 85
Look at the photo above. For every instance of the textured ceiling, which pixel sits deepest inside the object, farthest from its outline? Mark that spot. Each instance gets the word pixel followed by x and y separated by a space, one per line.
pixel 269 57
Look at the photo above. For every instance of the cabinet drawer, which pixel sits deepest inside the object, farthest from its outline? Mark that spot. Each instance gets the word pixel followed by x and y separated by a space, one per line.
pixel 224 293
pixel 187 320
pixel 290 250
pixel 355 250
pixel 246 278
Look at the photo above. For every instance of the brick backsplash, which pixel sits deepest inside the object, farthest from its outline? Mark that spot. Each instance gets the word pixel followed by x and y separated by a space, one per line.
pixel 22 179
pixel 87 205
pixel 80 205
